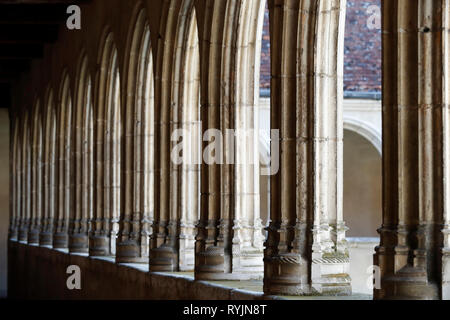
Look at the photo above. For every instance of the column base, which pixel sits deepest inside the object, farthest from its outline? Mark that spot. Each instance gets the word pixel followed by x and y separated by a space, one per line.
pixel 129 252
pixel 33 236
pixel 99 246
pixel 78 243
pixel 288 274
pixel 163 259
pixel 212 265
pixel 46 239
pixel 61 240
pixel 23 235
pixel 409 283
pixel 13 234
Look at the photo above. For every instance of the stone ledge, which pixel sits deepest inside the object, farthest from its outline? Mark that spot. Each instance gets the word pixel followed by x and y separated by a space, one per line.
pixel 40 273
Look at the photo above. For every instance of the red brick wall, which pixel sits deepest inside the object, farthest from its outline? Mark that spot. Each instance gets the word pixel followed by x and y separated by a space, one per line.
pixel 362 63
pixel 265 54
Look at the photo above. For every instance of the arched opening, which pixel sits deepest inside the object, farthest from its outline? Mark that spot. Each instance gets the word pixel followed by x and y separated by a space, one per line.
pixel 107 157
pixel 174 227
pixel 64 154
pixel 36 175
pixel 264 119
pixel 25 188
pixel 362 205
pixel 113 151
pixel 362 197
pixel 189 122
pixel 362 186
pixel 15 203
pixel 146 99
pixel 46 235
pixel 138 182
pixel 82 199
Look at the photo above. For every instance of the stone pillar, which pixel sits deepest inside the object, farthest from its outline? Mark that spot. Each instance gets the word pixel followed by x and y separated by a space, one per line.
pixel 306 251
pixel 82 197
pixel 46 234
pixel 229 240
pixel 14 166
pixel 36 176
pixel 134 231
pixel 99 240
pixel 64 140
pixel 103 224
pixel 25 187
pixel 414 252
pixel 176 188
pixel 189 171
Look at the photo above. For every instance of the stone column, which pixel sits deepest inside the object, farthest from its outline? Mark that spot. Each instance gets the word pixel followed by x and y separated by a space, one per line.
pixel 176 190
pixel 64 140
pixel 25 187
pixel 414 252
pixel 229 239
pixel 134 232
pixel 306 251
pixel 14 179
pixel 36 176
pixel 82 200
pixel 107 133
pixel 189 171
pixel 46 234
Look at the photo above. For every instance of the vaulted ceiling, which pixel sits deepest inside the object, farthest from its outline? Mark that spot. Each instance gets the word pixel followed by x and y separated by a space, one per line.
pixel 25 27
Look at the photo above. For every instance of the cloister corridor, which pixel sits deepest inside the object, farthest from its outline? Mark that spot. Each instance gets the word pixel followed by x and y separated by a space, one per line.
pixel 259 150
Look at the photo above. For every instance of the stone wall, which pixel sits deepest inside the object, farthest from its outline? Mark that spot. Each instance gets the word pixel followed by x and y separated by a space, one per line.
pixel 362 50
pixel 40 273
pixel 4 198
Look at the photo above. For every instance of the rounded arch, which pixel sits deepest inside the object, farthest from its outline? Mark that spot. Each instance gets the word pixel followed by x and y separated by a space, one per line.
pixel 362 185
pixel 365 130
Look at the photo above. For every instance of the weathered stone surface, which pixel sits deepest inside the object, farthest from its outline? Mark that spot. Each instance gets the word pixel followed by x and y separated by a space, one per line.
pixel 40 273
pixel 413 253
pixel 92 168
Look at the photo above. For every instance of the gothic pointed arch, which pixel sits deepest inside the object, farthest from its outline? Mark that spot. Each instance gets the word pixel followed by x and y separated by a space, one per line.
pixel 177 91
pixel 63 164
pixel 107 157
pixel 36 174
pixel 49 172
pixel 82 200
pixel 25 175
pixel 306 250
pixel 229 239
pixel 138 176
pixel 15 182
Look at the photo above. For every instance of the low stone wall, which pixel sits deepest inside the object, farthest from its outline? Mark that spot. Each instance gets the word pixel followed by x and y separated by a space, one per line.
pixel 40 273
